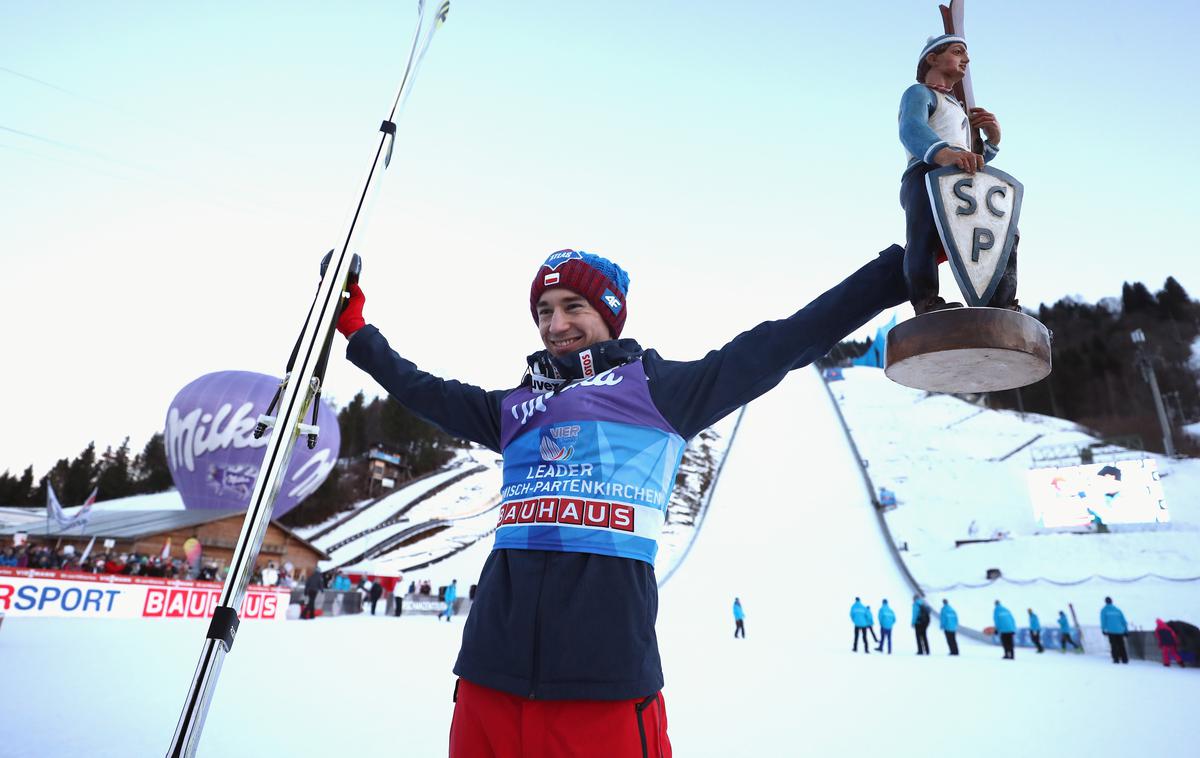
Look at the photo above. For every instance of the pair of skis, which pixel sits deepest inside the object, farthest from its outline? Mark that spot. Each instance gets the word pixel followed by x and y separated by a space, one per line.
pixel 299 391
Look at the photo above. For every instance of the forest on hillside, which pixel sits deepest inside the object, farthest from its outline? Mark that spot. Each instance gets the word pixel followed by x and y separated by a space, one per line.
pixel 1098 379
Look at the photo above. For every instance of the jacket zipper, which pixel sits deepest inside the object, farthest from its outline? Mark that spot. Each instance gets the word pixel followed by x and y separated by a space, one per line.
pixel 537 634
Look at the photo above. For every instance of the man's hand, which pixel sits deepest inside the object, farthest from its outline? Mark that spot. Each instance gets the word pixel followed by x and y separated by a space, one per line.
pixel 351 318
pixel 964 159
pixel 985 120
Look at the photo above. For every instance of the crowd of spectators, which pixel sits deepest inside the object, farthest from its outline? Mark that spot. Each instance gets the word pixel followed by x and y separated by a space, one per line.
pixel 67 558
pixel 271 575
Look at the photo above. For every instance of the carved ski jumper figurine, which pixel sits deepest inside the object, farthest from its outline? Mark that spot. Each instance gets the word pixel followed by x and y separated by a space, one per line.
pixel 935 130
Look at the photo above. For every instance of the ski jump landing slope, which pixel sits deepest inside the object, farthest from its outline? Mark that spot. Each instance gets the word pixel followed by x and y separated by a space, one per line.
pixel 792 532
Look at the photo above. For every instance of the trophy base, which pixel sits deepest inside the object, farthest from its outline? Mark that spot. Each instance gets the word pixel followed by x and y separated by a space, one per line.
pixel 963 350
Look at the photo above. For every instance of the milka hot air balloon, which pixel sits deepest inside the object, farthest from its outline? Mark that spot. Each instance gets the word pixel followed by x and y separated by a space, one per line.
pixel 213 455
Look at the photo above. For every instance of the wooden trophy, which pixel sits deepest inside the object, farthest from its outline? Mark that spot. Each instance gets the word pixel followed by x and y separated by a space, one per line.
pixel 977 348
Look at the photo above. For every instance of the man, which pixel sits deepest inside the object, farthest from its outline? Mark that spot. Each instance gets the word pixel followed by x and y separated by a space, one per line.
pixel 450 596
pixel 561 633
pixel 858 615
pixel 949 621
pixel 398 597
pixel 887 619
pixel 1064 630
pixel 312 587
pixel 375 593
pixel 1035 630
pixel 739 620
pixel 1112 623
pixel 920 622
pixel 1006 627
pixel 935 130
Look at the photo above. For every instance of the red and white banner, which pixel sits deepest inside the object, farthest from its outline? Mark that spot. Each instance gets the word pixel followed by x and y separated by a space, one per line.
pixel 67 594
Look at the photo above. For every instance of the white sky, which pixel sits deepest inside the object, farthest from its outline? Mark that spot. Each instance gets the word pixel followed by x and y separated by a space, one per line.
pixel 171 175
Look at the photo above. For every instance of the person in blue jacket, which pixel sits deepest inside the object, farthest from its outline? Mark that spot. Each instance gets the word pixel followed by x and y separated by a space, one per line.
pixel 1064 632
pixel 871 624
pixel 450 596
pixel 1006 627
pixel 859 616
pixel 949 621
pixel 1035 630
pixel 1112 623
pixel 591 438
pixel 739 620
pixel 887 619
pixel 920 623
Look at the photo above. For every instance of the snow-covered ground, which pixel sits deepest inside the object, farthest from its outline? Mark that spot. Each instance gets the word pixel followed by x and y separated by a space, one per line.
pixel 790 531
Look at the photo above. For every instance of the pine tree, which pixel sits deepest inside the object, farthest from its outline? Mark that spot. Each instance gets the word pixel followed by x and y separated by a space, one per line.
pixel 115 480
pixel 80 478
pixel 1174 303
pixel 353 427
pixel 16 490
pixel 1135 298
pixel 423 446
pixel 55 476
pixel 151 471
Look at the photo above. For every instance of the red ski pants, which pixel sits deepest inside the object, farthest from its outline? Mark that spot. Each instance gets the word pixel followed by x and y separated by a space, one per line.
pixel 493 724
pixel 1171 654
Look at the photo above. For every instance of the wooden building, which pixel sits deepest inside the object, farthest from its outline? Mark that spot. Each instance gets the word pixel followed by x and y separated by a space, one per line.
pixel 146 532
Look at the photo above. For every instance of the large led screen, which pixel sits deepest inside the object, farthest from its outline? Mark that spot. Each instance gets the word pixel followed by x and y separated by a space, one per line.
pixel 1121 492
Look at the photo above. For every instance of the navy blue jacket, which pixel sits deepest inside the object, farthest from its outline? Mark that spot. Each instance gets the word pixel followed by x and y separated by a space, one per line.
pixel 568 626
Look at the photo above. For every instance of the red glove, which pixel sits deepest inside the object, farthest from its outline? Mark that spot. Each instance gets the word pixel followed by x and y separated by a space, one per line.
pixel 351 319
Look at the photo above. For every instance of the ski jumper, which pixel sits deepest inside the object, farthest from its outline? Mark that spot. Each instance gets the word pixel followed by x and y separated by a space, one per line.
pixel 929 121
pixel 567 600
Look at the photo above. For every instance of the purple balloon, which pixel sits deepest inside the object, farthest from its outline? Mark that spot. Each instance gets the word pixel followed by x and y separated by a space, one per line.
pixel 212 453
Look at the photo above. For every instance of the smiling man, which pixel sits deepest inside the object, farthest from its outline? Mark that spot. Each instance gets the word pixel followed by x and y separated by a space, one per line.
pixel 559 654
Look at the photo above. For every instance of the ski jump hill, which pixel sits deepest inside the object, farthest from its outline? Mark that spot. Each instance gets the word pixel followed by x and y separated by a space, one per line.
pixel 791 529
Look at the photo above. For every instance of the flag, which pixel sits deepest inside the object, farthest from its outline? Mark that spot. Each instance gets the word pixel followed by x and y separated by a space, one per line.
pixel 166 551
pixel 87 551
pixel 877 352
pixel 81 518
pixel 55 510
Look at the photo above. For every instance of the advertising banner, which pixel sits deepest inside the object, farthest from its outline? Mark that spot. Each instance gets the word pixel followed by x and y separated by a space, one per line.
pixel 1121 492
pixel 67 594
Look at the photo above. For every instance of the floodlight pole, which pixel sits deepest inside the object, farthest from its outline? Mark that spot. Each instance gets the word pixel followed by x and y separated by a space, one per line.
pixel 1147 366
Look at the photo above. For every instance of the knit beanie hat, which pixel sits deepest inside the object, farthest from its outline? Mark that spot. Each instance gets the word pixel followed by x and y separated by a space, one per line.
pixel 938 41
pixel 601 282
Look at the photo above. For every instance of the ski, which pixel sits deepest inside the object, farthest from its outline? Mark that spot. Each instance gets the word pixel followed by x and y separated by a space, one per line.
pixel 953 23
pixel 299 390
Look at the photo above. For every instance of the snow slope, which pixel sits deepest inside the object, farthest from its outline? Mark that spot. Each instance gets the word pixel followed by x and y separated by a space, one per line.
pixel 959 471
pixel 790 530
